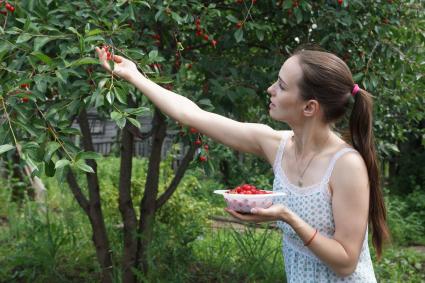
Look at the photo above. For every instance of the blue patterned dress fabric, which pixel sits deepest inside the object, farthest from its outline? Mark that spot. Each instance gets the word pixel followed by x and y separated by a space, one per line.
pixel 314 205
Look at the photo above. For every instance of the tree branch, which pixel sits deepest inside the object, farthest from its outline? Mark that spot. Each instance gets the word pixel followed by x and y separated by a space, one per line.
pixel 147 205
pixel 126 207
pixel 137 133
pixel 77 192
pixel 92 180
pixel 177 178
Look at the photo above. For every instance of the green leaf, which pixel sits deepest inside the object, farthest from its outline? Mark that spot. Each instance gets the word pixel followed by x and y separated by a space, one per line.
pixel 6 147
pixel 94 32
pixel 110 97
pixel 176 17
pixel 87 155
pixel 40 41
pixel 121 123
pixel 27 127
pixel 83 61
pixel 259 34
pixel 49 168
pixel 137 111
pixel 153 55
pixel 357 77
pixel 50 149
pixel 59 76
pixel 43 57
pixel 393 147
pixel 94 38
pixel 41 83
pixel 82 45
pixel 232 18
pixel 238 35
pixel 84 167
pixel 102 83
pixel 23 38
pixel 298 15
pixel 205 102
pixel 144 3
pixel 325 39
pixel 131 12
pixel 158 14
pixel 288 4
pixel 32 165
pixel 74 31
pixel 116 115
pixel 120 95
pixel 30 145
pixel 61 174
pixel 134 122
pixel 100 101
pixel 62 163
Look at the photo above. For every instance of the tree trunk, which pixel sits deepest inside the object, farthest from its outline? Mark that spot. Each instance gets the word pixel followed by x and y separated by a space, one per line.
pixel 17 180
pixel 126 204
pixel 100 237
pixel 147 206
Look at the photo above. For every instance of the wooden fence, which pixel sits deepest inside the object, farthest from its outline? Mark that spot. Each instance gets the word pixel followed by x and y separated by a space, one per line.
pixel 106 138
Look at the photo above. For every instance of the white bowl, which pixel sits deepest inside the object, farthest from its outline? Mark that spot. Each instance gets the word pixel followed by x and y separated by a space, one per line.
pixel 244 202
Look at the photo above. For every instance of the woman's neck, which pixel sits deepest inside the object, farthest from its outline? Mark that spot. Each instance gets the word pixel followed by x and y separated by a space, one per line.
pixel 311 137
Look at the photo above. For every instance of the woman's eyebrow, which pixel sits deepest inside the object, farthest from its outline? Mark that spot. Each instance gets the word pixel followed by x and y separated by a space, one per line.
pixel 282 81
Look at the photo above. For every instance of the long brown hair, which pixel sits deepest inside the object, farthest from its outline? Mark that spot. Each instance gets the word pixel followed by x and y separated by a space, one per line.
pixel 327 79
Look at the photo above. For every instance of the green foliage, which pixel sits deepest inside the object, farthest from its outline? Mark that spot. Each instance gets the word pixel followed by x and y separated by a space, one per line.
pixel 244 254
pixel 406 218
pixel 407 173
pixel 45 243
pixel 401 265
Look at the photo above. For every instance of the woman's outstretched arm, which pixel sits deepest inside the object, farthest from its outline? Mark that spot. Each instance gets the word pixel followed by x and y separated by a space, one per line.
pixel 245 137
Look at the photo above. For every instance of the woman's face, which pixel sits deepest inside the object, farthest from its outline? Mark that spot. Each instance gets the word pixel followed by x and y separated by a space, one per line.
pixel 286 104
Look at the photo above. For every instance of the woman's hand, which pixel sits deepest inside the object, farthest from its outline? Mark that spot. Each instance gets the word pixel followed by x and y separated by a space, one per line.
pixel 123 68
pixel 273 213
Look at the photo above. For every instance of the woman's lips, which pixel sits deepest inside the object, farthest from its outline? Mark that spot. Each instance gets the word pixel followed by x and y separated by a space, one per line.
pixel 271 105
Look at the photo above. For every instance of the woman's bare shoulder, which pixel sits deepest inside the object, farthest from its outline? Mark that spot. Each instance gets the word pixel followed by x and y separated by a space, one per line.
pixel 350 170
pixel 271 143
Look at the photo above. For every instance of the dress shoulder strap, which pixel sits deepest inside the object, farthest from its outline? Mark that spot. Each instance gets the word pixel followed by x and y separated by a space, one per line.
pixel 279 154
pixel 334 159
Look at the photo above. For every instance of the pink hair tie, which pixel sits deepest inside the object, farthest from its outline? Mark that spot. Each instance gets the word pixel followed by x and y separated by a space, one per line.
pixel 355 89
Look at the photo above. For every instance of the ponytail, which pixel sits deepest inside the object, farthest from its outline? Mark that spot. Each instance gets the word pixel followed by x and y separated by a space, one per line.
pixel 361 132
pixel 328 79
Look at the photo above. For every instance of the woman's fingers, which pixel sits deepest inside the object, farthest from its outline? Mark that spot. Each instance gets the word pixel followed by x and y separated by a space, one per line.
pixel 118 59
pixel 244 217
pixel 103 58
pixel 101 53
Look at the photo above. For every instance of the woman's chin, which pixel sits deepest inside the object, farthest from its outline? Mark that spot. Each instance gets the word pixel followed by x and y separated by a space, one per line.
pixel 280 119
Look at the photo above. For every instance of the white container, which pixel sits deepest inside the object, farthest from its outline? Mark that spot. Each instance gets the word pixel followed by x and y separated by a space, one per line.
pixel 244 203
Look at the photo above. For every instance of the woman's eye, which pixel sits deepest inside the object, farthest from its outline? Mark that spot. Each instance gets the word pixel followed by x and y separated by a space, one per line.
pixel 281 87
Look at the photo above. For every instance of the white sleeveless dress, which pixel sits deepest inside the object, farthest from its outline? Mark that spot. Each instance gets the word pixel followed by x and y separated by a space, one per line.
pixel 314 205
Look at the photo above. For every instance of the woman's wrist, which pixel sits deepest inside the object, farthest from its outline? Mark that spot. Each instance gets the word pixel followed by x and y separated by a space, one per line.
pixel 135 76
pixel 287 216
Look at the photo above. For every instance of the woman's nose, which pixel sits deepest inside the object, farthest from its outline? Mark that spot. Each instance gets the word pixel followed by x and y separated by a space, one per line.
pixel 270 89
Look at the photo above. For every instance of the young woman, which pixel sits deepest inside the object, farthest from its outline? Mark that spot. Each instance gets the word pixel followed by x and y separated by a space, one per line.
pixel 332 187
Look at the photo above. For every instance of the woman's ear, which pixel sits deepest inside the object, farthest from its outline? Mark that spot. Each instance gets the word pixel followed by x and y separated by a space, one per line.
pixel 311 108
